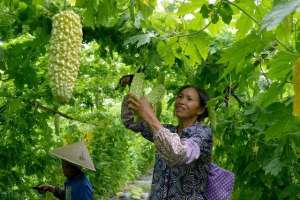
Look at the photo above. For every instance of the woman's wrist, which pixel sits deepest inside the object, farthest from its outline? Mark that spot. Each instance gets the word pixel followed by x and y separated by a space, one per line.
pixel 154 123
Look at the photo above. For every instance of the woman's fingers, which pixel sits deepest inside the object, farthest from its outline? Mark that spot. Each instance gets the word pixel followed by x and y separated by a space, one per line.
pixel 133 103
pixel 132 96
pixel 139 104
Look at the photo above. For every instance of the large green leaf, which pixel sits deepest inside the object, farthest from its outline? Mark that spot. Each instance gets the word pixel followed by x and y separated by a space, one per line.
pixel 273 167
pixel 281 65
pixel 165 52
pixel 278 13
pixel 200 42
pixel 269 96
pixel 235 56
pixel 140 39
pixel 189 7
pixel 244 25
pixel 196 23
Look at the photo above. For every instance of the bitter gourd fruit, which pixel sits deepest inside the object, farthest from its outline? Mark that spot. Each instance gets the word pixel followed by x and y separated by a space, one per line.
pixel 64 54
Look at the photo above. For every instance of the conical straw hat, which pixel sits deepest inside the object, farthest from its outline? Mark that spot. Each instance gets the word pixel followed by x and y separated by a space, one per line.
pixel 76 153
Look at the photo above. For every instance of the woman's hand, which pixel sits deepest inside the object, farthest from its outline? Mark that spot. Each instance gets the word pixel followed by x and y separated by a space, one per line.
pixel 144 110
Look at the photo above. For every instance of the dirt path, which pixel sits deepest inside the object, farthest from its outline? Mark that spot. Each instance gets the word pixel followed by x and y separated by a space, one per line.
pixel 136 190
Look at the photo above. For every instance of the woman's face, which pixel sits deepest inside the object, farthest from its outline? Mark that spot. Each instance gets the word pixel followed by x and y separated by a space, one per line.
pixel 187 104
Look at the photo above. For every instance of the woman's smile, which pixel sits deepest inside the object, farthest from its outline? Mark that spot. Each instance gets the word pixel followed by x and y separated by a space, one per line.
pixel 179 109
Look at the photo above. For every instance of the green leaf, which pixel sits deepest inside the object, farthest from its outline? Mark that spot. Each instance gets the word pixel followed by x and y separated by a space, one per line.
pixel 146 6
pixel 195 24
pixel 106 14
pixel 201 43
pixel 277 130
pixel 171 21
pixel 281 65
pixel 205 11
pixel 269 96
pixel 278 14
pixel 226 13
pixel 298 39
pixel 244 25
pixel 165 52
pixel 89 17
pixel 273 167
pixel 81 3
pixel 140 39
pixel 248 5
pixel 291 192
pixel 189 50
pixel 287 125
pixel 186 8
pixel 235 56
pixel 284 31
pixel 276 2
pixel 215 17
pixel 38 2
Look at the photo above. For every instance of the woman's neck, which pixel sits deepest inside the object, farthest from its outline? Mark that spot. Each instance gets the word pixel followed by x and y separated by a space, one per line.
pixel 185 123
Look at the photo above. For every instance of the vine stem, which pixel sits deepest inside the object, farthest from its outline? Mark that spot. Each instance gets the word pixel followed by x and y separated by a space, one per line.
pixel 245 12
pixel 186 34
pixel 56 112
pixel 195 33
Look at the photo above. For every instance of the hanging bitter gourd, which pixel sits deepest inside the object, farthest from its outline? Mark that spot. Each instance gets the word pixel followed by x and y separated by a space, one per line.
pixel 137 85
pixel 156 94
pixel 155 97
pixel 296 78
pixel 137 88
pixel 64 54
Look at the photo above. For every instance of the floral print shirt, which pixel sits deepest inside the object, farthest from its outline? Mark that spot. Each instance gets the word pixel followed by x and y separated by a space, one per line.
pixel 182 162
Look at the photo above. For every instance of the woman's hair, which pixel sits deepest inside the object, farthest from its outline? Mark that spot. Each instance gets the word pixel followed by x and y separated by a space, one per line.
pixel 203 97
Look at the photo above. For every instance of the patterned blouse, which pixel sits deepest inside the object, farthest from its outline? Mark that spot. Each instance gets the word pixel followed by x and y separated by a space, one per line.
pixel 182 162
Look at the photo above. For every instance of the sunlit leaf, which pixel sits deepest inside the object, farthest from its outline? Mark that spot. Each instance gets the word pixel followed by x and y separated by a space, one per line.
pixel 165 52
pixel 244 25
pixel 201 41
pixel 190 7
pixel 140 39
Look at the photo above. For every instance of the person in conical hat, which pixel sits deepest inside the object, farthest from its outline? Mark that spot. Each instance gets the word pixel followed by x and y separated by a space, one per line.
pixel 77 186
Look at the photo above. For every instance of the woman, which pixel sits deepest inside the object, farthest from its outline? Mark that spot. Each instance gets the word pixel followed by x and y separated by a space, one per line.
pixel 182 164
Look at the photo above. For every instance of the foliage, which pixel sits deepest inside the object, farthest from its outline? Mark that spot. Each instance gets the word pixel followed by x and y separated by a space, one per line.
pixel 241 52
